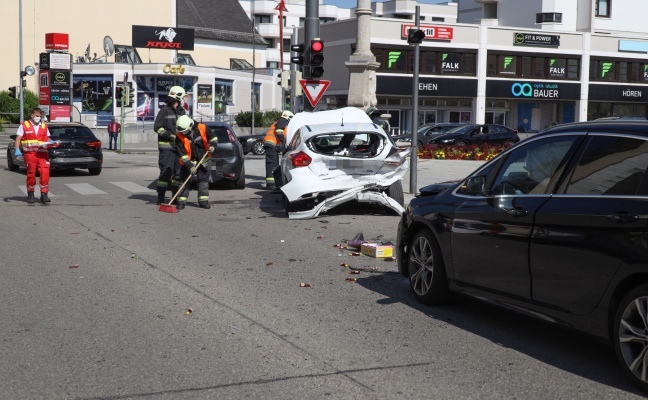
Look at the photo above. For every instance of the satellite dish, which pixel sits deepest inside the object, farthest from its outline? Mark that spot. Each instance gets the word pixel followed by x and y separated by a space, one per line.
pixel 109 46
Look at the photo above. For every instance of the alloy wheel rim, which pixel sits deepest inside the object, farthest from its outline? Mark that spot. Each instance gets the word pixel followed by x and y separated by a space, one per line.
pixel 422 257
pixel 633 337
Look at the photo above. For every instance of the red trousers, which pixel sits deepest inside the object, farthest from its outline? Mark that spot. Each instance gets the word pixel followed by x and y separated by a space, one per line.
pixel 38 159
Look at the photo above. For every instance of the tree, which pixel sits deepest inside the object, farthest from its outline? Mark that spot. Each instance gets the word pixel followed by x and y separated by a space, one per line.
pixel 10 107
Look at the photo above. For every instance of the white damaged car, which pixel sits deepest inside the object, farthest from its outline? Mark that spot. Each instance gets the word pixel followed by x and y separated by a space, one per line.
pixel 345 158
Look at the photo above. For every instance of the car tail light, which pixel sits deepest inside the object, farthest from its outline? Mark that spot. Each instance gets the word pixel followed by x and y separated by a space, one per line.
pixel 393 158
pixel 94 144
pixel 232 139
pixel 300 159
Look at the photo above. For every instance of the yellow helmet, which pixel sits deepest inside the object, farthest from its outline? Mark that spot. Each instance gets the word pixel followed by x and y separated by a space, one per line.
pixel 184 124
pixel 177 93
pixel 287 115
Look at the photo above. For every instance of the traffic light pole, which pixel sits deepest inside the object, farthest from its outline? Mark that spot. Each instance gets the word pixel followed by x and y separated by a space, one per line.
pixel 20 46
pixel 311 31
pixel 293 73
pixel 415 84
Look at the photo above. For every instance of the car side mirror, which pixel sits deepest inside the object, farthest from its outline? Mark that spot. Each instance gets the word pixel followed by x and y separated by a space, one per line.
pixel 475 185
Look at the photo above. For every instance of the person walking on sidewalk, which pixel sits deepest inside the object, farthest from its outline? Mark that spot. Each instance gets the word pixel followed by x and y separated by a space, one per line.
pixel 34 137
pixel 272 143
pixel 193 140
pixel 113 131
pixel 165 126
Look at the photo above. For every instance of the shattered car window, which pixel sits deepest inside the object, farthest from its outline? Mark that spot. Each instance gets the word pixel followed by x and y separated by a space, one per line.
pixel 349 144
pixel 296 141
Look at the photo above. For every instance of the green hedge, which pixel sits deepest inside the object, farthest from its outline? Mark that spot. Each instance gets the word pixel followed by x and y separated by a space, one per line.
pixel 265 118
pixel 10 105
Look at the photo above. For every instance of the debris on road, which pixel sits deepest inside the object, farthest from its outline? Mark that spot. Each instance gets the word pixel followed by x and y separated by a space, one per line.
pixel 74 266
pixel 189 311
pixel 306 284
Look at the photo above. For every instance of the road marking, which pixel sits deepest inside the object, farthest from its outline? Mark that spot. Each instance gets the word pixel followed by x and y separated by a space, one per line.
pixel 133 187
pixel 84 188
pixel 23 188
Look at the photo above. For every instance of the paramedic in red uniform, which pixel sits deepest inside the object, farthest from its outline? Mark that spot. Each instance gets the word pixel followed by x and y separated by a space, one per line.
pixel 34 137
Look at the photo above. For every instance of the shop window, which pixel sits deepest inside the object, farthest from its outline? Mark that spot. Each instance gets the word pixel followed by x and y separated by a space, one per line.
pixel 239 63
pixel 465 103
pixel 602 8
pixel 635 72
pixel 428 62
pixel 543 18
pixel 262 19
pixel 623 71
pixel 507 65
pixel 496 117
pixel 526 66
pixel 451 63
pixel 539 67
pixel 573 68
pixel 468 64
pixel 491 65
pixel 224 91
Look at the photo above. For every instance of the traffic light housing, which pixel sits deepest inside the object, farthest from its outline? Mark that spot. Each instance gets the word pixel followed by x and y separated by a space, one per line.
pixel 415 36
pixel 316 58
pixel 299 58
pixel 13 92
pixel 284 79
pixel 131 95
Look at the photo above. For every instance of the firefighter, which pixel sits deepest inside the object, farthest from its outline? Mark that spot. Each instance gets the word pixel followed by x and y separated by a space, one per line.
pixel 374 114
pixel 34 137
pixel 192 142
pixel 273 143
pixel 165 126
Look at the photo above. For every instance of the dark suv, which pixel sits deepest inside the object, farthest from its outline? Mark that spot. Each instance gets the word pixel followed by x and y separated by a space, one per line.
pixel 227 162
pixel 75 146
pixel 555 227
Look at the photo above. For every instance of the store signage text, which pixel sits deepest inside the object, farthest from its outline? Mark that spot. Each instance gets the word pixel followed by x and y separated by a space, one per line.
pixel 431 31
pixel 163 45
pixel 163 37
pixel 536 40
pixel 429 87
pixel 168 69
pixel 537 90
pixel 631 93
pixel 531 90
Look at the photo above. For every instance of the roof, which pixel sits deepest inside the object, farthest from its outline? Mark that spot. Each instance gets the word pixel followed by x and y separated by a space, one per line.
pixel 217 20
pixel 609 126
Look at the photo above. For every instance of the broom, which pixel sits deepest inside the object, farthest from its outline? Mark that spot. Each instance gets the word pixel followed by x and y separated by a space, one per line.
pixel 171 208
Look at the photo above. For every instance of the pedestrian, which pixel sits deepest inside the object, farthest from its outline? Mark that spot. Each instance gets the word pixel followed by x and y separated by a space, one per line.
pixel 114 128
pixel 374 114
pixel 165 126
pixel 193 141
pixel 34 137
pixel 273 143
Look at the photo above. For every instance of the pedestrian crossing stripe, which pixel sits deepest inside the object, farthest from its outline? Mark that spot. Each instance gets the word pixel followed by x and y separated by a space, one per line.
pixel 87 189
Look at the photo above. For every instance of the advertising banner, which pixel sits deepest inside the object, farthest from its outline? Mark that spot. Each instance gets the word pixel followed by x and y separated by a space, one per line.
pixel 431 31
pixel 532 39
pixel 530 90
pixel 163 37
pixel 205 96
pixel 622 93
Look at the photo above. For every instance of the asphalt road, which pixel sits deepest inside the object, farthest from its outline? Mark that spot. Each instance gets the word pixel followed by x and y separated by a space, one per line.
pixel 95 290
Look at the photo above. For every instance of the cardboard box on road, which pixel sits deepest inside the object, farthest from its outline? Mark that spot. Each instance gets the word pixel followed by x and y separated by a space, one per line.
pixel 377 250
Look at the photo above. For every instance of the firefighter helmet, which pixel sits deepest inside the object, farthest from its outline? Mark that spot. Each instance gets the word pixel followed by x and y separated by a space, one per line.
pixel 287 115
pixel 184 124
pixel 177 93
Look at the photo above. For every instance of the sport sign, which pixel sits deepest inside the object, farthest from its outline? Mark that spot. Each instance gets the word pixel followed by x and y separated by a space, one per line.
pixel 314 89
pixel 431 31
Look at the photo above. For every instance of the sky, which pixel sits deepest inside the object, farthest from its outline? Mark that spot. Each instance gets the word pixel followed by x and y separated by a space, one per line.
pixel 354 3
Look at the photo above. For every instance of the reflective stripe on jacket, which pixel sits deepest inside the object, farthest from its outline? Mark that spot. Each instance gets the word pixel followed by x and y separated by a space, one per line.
pixel 186 144
pixel 31 140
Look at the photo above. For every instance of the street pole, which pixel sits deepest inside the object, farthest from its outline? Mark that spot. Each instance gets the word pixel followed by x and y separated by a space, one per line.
pixel 415 84
pixel 253 100
pixel 20 46
pixel 293 73
pixel 311 31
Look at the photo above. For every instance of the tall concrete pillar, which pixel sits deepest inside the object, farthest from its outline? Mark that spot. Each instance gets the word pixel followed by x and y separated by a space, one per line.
pixel 362 64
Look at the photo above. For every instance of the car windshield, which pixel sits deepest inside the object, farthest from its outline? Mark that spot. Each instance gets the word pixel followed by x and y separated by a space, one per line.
pixel 461 129
pixel 349 144
pixel 423 129
pixel 70 132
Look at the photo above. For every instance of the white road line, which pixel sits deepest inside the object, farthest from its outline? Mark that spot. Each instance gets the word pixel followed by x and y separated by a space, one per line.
pixel 133 187
pixel 84 188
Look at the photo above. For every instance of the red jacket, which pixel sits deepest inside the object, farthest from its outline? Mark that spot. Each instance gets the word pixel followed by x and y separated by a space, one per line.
pixel 32 139
pixel 113 127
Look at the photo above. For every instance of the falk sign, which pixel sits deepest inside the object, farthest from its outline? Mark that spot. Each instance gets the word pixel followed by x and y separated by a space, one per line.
pixel 163 37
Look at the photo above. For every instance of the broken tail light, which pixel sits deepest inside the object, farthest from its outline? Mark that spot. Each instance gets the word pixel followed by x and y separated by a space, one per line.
pixel 393 158
pixel 232 139
pixel 300 159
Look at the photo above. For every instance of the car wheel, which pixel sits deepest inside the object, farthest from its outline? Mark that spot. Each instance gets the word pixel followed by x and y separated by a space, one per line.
pixel 629 336
pixel 240 182
pixel 94 171
pixel 10 163
pixel 395 191
pixel 508 143
pixel 257 148
pixel 427 273
pixel 461 144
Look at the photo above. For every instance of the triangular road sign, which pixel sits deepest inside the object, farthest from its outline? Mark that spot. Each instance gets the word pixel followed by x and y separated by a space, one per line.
pixel 314 90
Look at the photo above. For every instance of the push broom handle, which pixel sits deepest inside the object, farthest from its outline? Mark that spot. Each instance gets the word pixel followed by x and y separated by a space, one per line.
pixel 188 178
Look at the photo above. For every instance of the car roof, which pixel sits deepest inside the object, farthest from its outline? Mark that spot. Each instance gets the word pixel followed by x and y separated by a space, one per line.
pixel 215 123
pixel 610 126
pixel 346 115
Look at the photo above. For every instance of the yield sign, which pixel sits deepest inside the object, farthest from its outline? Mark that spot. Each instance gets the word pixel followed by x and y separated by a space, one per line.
pixel 314 89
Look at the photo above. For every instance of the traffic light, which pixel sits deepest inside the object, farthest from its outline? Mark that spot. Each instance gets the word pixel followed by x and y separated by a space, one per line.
pixel 13 92
pixel 285 79
pixel 316 58
pixel 299 58
pixel 415 36
pixel 125 92
pixel 131 95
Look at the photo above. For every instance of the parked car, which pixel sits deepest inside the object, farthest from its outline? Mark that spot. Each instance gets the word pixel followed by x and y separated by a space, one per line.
pixel 252 143
pixel 347 158
pixel 477 134
pixel 227 162
pixel 555 227
pixel 75 146
pixel 427 132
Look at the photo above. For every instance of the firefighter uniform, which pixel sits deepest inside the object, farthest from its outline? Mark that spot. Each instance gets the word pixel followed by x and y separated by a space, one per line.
pixel 274 140
pixel 165 126
pixel 34 137
pixel 192 146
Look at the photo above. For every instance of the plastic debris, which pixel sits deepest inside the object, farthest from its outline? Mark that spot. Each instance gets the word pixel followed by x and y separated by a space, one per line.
pixel 354 272
pixel 356 241
pixel 351 279
pixel 189 311
pixel 320 237
pixel 74 266
pixel 222 215
pixel 135 256
pixel 306 284
pixel 270 263
pixel 344 265
pixel 337 245
pixel 390 258
pixel 356 254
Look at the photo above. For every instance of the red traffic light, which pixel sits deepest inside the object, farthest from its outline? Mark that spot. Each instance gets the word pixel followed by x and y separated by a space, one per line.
pixel 317 45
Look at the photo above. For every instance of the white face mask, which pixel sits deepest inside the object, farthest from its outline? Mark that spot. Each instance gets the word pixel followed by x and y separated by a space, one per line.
pixel 36 120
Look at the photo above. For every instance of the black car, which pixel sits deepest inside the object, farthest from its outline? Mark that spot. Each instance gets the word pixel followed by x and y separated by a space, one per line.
pixel 555 227
pixel 427 132
pixel 252 143
pixel 478 134
pixel 227 162
pixel 75 146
